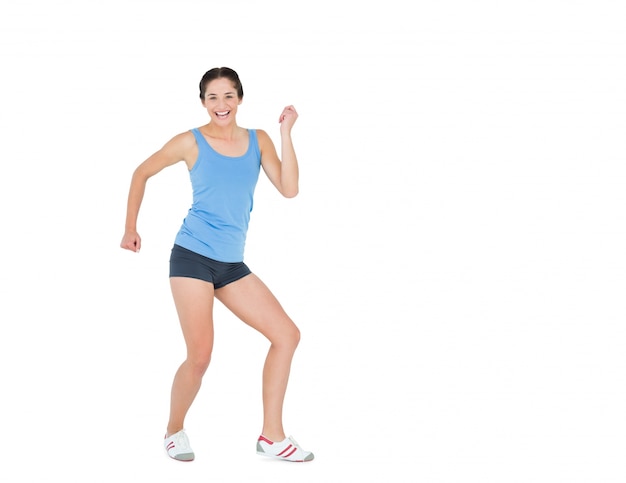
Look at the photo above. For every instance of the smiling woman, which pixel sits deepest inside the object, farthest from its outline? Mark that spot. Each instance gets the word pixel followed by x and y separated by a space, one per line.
pixel 225 95
pixel 224 161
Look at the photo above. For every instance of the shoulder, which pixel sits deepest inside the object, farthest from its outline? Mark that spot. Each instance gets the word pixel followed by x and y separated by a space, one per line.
pixel 181 142
pixel 185 137
pixel 260 133
pixel 263 138
pixel 181 146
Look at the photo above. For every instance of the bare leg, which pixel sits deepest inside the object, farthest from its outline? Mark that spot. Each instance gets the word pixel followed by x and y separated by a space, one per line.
pixel 251 301
pixel 194 304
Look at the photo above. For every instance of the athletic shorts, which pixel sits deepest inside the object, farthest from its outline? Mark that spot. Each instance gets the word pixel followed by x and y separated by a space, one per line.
pixel 185 263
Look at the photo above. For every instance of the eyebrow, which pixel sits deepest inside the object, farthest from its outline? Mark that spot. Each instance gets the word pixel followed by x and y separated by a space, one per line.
pixel 213 94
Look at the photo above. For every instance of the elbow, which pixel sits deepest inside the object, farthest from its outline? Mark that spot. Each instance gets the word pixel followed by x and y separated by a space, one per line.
pixel 290 193
pixel 140 174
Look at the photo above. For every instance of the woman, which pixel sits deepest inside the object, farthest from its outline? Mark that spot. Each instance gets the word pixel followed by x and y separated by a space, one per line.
pixel 206 262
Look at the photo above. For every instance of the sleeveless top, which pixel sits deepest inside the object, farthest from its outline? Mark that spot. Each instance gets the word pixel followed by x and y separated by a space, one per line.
pixel 223 189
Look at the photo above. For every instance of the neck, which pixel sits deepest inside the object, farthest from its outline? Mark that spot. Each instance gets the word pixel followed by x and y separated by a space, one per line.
pixel 228 131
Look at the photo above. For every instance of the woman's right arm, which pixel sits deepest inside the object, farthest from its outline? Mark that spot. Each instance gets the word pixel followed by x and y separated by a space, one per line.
pixel 179 148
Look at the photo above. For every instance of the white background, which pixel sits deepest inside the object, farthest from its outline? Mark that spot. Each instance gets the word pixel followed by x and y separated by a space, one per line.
pixel 455 259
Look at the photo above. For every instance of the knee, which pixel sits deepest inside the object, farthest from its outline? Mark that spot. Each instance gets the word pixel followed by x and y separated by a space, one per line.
pixel 199 362
pixel 296 336
pixel 290 338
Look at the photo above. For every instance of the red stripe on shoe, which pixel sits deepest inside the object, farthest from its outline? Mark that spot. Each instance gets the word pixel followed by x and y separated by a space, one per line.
pixel 263 438
pixel 171 445
pixel 290 453
pixel 286 449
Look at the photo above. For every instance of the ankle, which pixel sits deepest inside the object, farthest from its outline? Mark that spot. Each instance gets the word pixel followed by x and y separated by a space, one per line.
pixel 174 430
pixel 274 436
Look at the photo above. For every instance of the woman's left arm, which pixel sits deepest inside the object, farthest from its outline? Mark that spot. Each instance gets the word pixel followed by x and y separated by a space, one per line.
pixel 283 172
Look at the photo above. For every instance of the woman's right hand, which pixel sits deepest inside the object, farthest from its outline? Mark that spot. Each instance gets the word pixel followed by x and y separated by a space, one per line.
pixel 131 241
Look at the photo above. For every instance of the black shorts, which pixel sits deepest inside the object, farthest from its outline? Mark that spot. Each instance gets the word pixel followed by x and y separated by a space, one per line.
pixel 185 263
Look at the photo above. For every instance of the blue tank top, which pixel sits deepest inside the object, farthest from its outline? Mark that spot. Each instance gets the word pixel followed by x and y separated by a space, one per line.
pixel 223 189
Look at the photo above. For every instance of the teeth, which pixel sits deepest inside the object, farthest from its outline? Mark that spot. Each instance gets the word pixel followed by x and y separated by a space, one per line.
pixel 222 113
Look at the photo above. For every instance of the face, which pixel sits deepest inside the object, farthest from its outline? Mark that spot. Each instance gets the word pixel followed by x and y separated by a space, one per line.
pixel 221 100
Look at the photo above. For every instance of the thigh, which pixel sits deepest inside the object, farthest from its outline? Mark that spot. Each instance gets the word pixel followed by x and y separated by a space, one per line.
pixel 194 304
pixel 253 302
pixel 185 263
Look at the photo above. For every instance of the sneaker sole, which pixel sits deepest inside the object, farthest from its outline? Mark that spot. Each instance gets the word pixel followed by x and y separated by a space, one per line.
pixel 305 460
pixel 186 457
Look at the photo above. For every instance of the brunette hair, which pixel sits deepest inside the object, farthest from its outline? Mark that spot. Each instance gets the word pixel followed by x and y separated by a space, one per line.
pixel 217 73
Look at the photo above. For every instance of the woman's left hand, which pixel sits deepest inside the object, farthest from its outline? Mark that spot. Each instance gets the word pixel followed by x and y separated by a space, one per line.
pixel 287 118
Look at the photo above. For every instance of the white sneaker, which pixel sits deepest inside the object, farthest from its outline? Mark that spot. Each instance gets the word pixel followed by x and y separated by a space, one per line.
pixel 286 450
pixel 177 446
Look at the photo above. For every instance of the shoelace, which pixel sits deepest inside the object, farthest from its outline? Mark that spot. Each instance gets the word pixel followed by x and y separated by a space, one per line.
pixel 182 442
pixel 294 442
